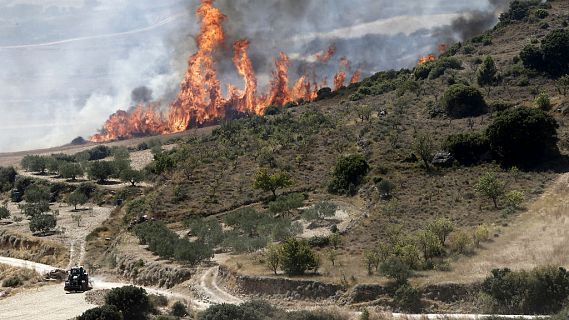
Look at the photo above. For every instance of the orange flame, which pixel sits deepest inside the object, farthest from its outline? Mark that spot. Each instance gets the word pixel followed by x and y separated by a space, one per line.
pixel 426 59
pixel 143 121
pixel 326 55
pixel 200 100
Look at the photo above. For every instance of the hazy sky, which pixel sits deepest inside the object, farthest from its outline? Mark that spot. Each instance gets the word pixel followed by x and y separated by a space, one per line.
pixel 65 65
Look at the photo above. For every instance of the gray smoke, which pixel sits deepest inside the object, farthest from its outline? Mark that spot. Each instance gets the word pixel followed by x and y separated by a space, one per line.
pixel 141 95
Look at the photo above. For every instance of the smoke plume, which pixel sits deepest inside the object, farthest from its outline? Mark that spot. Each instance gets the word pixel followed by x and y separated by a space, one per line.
pixel 69 64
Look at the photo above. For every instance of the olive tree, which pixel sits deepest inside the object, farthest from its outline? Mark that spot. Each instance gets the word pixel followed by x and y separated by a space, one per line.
pixel 101 171
pixel 132 176
pixel 42 223
pixel 77 198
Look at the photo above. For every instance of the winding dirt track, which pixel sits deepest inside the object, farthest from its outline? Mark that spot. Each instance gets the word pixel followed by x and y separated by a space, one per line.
pixel 52 303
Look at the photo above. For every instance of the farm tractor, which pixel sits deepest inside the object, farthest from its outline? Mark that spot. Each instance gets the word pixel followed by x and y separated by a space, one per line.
pixel 77 280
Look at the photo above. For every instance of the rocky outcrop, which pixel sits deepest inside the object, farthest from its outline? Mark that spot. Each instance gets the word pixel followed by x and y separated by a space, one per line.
pixel 24 247
pixel 278 287
pixel 151 273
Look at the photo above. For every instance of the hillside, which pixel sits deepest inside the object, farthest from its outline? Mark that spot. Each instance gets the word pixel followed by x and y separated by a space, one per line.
pixel 425 178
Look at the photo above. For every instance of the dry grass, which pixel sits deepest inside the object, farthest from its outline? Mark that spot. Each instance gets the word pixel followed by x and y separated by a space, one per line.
pixel 538 237
pixel 29 278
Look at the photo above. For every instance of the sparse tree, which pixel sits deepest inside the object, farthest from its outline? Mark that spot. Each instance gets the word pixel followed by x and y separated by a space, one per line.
pixel 364 112
pixel 335 240
pixel 430 244
pixel 491 187
pixel 77 218
pixel 424 147
pixel 273 257
pixel 441 227
pixel 272 181
pixel 371 261
pixel 77 198
pixel 332 255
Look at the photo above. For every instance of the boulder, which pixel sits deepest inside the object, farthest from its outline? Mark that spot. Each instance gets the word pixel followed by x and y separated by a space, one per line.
pixel 443 159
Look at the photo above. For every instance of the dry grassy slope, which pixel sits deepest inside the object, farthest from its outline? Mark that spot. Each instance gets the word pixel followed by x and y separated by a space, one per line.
pixel 421 196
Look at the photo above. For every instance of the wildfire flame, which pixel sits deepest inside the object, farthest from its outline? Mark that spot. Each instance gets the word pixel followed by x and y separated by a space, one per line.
pixel 442 48
pixel 426 59
pixel 200 99
pixel 326 55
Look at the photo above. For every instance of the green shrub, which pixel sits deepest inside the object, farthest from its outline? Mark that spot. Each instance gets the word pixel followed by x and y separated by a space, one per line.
pixel 356 96
pixel 272 110
pixel 468 148
pixel 101 313
pixel 4 213
pixel 318 241
pixel 297 257
pixel 229 312
pixel 523 136
pixel 422 71
pixel 407 298
pixel 532 57
pixel 435 69
pixel 461 101
pixel 179 309
pixel 543 102
pixel 519 10
pixel 348 174
pixel 7 178
pixel 285 204
pixel 320 211
pixel 131 301
pixel 543 290
pixel 42 223
pixel 166 243
pixel 552 57
pixel 555 48
pixel 12 282
pixel 395 269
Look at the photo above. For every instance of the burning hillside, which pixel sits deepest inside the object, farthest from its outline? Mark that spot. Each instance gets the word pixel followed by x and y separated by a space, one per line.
pixel 201 99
